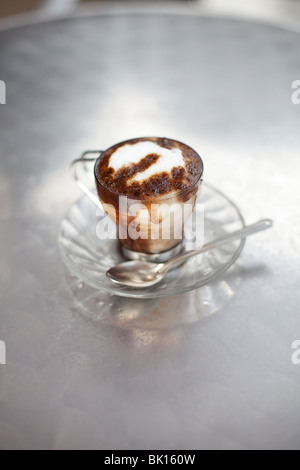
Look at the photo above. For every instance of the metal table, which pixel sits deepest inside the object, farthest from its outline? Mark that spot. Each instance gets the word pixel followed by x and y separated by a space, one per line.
pixel 106 378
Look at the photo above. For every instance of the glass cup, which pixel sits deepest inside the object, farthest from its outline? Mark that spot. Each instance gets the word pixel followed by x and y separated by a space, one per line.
pixel 149 229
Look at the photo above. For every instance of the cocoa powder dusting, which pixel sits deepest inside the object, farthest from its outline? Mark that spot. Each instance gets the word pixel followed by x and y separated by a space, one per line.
pixel 181 179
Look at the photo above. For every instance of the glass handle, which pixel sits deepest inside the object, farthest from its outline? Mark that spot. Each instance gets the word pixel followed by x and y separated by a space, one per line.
pixel 78 179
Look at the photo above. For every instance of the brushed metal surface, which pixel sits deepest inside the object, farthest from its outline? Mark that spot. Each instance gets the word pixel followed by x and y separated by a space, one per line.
pixel 79 376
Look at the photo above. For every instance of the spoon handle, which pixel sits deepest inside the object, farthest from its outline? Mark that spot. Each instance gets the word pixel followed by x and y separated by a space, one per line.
pixel 243 233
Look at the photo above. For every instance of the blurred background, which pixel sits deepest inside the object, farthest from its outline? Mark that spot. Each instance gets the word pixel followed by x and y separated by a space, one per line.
pixel 280 10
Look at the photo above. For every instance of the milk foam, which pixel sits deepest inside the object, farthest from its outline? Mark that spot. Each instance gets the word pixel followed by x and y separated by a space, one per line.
pixel 133 153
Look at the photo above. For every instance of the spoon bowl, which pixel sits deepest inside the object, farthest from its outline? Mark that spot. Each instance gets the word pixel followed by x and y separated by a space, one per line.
pixel 136 273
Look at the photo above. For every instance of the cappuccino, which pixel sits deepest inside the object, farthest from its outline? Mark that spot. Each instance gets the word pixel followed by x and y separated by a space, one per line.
pixel 160 179
pixel 149 167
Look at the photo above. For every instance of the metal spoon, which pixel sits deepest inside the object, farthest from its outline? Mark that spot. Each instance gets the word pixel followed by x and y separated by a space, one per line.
pixel 145 274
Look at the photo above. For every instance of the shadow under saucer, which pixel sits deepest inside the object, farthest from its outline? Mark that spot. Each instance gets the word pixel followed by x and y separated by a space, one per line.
pixel 152 314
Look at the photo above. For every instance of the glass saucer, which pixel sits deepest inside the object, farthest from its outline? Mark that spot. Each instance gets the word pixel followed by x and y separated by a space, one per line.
pixel 88 257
